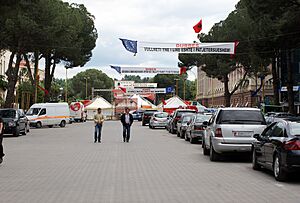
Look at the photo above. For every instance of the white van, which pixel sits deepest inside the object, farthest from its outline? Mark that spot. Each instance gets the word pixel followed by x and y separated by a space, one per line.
pixel 77 111
pixel 49 114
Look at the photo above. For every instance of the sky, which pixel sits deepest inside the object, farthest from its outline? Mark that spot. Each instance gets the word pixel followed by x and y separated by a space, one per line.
pixel 146 20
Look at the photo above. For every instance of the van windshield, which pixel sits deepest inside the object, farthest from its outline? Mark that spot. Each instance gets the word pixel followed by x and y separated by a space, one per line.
pixel 33 111
pixel 241 117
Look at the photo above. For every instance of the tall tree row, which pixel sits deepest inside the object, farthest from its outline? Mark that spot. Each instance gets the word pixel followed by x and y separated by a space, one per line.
pixel 52 30
pixel 266 30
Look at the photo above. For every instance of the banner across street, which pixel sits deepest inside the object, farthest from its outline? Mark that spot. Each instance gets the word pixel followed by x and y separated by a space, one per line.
pixel 153 70
pixel 201 48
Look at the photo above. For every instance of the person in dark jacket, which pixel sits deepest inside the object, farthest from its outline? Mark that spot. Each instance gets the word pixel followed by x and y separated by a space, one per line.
pixel 1 138
pixel 126 120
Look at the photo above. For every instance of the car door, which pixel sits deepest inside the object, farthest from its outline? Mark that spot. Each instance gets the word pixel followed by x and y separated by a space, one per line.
pixel 42 117
pixel 274 139
pixel 259 143
pixel 22 120
pixel 209 129
pixel 190 127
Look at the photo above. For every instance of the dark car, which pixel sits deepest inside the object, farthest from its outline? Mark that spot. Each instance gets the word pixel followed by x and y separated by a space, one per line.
pixel 278 148
pixel 183 123
pixel 176 117
pixel 147 115
pixel 15 121
pixel 195 130
pixel 137 114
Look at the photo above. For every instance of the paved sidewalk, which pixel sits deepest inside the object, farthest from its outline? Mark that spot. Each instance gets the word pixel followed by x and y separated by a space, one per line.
pixel 64 165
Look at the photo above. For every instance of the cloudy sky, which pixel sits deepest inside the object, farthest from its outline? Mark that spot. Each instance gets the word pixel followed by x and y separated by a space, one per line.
pixel 146 20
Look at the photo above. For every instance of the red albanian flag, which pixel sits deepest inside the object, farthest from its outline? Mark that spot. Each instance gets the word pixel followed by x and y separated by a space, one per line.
pixel 182 70
pixel 163 101
pixel 198 27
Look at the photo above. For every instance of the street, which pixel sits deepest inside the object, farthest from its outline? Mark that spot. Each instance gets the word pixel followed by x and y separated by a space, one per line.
pixel 65 165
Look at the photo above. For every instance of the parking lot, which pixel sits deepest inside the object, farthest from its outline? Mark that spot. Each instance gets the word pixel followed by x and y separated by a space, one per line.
pixel 65 165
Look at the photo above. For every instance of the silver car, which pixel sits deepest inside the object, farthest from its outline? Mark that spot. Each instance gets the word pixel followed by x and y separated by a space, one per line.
pixel 232 130
pixel 159 119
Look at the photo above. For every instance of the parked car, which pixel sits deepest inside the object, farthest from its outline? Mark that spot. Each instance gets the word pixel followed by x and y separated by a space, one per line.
pixel 168 127
pixel 137 114
pixel 271 116
pixel 176 117
pixel 232 130
pixel 195 130
pixel 49 114
pixel 159 119
pixel 277 148
pixel 15 122
pixel 183 123
pixel 147 115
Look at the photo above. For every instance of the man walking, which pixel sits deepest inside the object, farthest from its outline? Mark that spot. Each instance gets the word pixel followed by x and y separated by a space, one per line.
pixel 1 138
pixel 126 120
pixel 98 119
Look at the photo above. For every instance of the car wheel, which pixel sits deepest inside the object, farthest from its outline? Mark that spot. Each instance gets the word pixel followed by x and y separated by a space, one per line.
pixel 205 150
pixel 255 165
pixel 186 137
pixel 16 132
pixel 279 173
pixel 25 131
pixel 38 125
pixel 192 141
pixel 213 155
pixel 62 124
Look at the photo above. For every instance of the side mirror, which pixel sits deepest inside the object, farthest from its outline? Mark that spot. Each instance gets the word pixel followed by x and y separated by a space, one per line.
pixel 257 136
pixel 205 123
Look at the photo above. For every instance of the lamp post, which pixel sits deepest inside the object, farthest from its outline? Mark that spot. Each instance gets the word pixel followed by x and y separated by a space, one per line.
pixel 86 88
pixel 176 79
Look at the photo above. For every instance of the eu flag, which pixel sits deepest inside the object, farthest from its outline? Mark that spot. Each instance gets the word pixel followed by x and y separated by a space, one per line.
pixel 117 68
pixel 130 45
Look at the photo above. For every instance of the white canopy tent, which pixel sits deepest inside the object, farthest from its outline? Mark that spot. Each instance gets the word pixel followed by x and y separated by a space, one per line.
pixel 142 103
pixel 99 102
pixel 173 103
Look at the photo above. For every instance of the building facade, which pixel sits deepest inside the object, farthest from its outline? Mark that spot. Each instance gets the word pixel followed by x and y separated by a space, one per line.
pixel 210 91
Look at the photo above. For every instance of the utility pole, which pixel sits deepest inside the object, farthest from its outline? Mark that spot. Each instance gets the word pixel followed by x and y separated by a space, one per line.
pixel 176 79
pixel 86 88
pixel 184 80
pixel 66 92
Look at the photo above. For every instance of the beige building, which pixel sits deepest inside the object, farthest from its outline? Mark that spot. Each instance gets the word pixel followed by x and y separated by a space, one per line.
pixel 4 60
pixel 211 91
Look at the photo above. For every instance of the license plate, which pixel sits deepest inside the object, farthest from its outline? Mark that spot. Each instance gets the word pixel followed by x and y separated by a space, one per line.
pixel 242 133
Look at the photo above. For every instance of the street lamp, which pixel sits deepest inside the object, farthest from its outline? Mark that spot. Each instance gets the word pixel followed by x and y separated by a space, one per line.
pixel 176 79
pixel 86 90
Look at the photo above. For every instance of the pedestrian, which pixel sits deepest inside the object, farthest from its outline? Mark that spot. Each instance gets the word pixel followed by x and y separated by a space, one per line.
pixel 98 119
pixel 126 120
pixel 1 139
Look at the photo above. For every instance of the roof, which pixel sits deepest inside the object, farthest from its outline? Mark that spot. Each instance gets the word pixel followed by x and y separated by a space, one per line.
pixel 99 102
pixel 173 103
pixel 240 108
pixel 142 103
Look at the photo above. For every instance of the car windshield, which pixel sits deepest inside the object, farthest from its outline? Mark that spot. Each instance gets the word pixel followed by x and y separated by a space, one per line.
pixel 33 111
pixel 180 113
pixel 161 115
pixel 202 118
pixel 7 113
pixel 186 119
pixel 249 117
pixel 295 128
pixel 149 113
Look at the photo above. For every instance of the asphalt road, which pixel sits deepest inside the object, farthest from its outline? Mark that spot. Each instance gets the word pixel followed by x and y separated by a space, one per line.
pixel 64 165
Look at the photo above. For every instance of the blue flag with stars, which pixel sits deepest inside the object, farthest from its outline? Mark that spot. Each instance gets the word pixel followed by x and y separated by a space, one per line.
pixel 130 45
pixel 117 68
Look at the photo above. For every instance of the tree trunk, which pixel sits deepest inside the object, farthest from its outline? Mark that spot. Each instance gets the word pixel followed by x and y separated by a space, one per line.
pixel 227 94
pixel 12 77
pixel 275 81
pixel 47 81
pixel 36 78
pixel 290 83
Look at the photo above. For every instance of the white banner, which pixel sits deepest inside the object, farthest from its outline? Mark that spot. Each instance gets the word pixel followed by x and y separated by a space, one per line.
pixel 152 70
pixel 204 48
pixel 151 90
pixel 149 85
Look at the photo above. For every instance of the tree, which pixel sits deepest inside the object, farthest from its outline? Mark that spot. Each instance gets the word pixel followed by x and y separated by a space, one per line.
pixel 94 79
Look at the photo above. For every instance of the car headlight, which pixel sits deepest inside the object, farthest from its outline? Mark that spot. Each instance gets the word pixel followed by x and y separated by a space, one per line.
pixel 11 124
